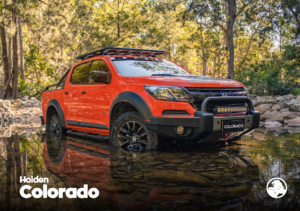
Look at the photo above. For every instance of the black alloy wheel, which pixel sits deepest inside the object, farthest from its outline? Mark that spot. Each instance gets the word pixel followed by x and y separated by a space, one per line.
pixel 133 135
pixel 55 125
pixel 130 132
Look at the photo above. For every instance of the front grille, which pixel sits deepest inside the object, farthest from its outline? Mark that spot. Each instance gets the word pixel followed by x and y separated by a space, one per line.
pixel 200 93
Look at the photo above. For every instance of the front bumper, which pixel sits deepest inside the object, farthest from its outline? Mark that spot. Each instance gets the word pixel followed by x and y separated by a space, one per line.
pixel 202 124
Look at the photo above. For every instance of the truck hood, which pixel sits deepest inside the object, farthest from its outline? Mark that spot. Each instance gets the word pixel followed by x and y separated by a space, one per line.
pixel 184 81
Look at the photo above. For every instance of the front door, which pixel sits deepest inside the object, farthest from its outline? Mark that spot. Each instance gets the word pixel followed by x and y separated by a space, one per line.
pixel 97 97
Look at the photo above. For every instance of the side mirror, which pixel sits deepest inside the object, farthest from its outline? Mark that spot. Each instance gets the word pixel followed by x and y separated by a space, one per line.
pixel 99 77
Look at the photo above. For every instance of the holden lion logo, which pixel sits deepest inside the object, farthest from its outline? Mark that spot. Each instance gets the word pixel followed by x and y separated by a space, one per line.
pixel 276 188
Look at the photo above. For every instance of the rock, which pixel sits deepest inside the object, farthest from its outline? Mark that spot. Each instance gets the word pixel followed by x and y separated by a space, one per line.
pixel 293 102
pixel 262 117
pixel 280 99
pixel 276 107
pixel 272 124
pixel 27 104
pixel 262 108
pixel 277 116
pixel 5 132
pixel 268 97
pixel 178 177
pixel 3 105
pixel 255 102
pixel 294 122
pixel 25 98
pixel 2 110
pixel 33 98
pixel 18 104
pixel 284 110
pixel 289 96
pixel 258 136
pixel 298 98
pixel 7 102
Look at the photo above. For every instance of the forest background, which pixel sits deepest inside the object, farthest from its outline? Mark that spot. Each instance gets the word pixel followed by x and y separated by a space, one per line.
pixel 254 41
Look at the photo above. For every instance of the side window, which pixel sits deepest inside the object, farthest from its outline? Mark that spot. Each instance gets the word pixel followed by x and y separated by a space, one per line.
pixel 98 65
pixel 79 73
pixel 61 83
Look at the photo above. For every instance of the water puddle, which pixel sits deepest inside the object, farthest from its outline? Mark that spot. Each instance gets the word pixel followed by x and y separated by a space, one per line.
pixel 219 177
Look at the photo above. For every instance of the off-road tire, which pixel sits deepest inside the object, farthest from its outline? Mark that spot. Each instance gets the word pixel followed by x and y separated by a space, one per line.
pixel 55 125
pixel 132 116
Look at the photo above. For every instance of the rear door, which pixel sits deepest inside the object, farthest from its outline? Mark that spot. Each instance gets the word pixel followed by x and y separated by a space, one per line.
pixel 74 93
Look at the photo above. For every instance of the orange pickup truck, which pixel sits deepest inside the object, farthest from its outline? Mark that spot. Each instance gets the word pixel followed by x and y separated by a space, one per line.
pixel 133 98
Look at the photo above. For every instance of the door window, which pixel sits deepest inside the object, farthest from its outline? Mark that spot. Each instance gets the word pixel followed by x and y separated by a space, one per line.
pixel 80 73
pixel 98 65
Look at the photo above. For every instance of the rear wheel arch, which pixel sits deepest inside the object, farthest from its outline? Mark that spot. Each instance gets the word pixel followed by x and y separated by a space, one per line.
pixel 133 102
pixel 54 107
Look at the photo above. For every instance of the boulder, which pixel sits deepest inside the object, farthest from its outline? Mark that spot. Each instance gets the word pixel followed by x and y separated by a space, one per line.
pixel 25 98
pixel 262 108
pixel 289 96
pixel 280 99
pixel 33 98
pixel 272 124
pixel 298 98
pixel 2 110
pixel 262 117
pixel 284 110
pixel 294 122
pixel 255 102
pixel 5 132
pixel 293 102
pixel 259 136
pixel 277 116
pixel 276 107
pixel 3 105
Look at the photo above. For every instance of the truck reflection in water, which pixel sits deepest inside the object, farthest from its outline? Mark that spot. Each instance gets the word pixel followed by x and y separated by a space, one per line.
pixel 210 179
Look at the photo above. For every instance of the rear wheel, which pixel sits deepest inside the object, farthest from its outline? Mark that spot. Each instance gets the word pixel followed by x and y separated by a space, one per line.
pixel 130 132
pixel 55 125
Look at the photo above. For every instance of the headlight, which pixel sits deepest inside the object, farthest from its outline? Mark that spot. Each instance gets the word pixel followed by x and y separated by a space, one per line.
pixel 246 90
pixel 168 93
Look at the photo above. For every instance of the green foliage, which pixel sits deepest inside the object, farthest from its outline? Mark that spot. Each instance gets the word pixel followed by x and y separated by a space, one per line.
pixel 34 89
pixel 296 91
pixel 37 65
pixel 277 74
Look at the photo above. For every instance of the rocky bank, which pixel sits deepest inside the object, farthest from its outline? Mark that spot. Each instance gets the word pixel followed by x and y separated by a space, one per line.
pixel 279 110
pixel 21 116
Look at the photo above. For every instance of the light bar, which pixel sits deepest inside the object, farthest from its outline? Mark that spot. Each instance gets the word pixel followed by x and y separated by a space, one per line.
pixel 231 109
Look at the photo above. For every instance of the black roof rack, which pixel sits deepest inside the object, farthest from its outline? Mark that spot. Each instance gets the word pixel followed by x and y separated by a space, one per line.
pixel 121 51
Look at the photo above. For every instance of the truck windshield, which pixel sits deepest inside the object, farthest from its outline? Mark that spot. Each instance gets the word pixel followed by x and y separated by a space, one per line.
pixel 147 68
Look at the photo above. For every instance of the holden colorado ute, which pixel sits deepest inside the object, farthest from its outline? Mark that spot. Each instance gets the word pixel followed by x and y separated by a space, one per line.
pixel 133 98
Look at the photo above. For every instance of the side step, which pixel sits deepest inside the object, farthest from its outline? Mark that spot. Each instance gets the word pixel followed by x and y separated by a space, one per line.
pixel 88 135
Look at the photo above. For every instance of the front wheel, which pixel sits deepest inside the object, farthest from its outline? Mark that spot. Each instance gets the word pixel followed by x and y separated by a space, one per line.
pixel 129 131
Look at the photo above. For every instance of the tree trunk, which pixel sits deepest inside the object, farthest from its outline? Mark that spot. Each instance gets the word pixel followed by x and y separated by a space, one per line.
pixel 7 73
pixel 9 52
pixel 204 60
pixel 15 91
pixel 230 41
pixel 21 49
pixel 214 69
pixel 61 59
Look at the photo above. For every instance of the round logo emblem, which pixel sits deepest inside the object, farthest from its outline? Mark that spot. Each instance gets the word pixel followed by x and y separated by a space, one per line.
pixel 276 188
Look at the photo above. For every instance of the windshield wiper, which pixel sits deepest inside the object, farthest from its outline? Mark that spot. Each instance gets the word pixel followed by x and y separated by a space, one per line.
pixel 163 75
